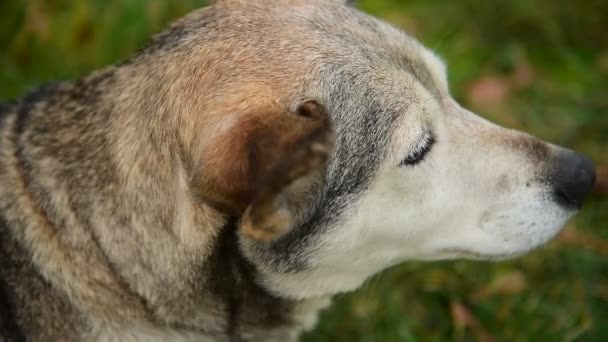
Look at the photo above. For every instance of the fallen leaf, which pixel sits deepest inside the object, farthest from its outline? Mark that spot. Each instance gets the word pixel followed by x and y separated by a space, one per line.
pixel 37 21
pixel 602 62
pixel 510 283
pixel 585 240
pixel 462 318
pixel 489 90
pixel 601 181
pixel 522 76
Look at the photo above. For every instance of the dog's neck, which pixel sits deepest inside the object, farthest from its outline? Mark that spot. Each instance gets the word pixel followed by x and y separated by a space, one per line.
pixel 107 180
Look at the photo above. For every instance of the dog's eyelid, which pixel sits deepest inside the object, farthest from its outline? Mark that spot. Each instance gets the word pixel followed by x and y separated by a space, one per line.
pixel 421 149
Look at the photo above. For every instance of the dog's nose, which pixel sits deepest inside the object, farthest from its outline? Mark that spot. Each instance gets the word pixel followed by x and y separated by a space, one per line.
pixel 573 178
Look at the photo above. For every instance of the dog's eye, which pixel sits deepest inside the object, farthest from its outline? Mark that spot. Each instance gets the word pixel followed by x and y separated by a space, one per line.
pixel 420 150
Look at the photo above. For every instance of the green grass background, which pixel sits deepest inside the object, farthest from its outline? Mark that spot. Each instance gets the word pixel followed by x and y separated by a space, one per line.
pixel 548 62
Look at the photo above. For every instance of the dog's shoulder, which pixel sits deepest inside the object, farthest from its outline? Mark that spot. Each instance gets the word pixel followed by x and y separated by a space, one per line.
pixel 28 305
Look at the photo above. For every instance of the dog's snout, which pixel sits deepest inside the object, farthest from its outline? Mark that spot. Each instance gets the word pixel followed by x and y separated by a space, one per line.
pixel 573 176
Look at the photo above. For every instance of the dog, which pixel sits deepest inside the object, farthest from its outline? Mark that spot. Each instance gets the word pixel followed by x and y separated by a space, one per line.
pixel 256 158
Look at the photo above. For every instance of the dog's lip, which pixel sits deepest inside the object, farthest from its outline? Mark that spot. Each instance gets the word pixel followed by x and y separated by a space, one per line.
pixel 458 253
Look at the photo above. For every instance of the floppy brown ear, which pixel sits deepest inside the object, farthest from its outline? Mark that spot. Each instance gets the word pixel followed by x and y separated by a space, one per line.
pixel 251 169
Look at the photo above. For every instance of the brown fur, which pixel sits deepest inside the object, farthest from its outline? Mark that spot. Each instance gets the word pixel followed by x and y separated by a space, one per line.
pixel 190 193
pixel 101 182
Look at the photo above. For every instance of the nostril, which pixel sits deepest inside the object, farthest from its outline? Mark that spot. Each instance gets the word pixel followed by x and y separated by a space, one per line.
pixel 566 201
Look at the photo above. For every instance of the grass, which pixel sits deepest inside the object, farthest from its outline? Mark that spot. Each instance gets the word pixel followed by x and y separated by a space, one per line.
pixel 527 65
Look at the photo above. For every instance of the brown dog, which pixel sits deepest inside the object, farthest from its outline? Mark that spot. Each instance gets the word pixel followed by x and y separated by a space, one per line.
pixel 255 159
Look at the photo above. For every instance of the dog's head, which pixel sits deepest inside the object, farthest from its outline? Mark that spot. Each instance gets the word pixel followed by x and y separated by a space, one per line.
pixel 333 137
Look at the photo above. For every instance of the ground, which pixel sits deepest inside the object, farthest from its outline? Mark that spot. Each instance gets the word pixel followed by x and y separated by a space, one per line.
pixel 528 65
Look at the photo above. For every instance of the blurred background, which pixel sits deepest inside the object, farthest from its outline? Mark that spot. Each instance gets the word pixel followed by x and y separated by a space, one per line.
pixel 535 65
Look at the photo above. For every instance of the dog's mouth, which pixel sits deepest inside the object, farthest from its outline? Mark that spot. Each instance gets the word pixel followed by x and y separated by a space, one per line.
pixel 454 253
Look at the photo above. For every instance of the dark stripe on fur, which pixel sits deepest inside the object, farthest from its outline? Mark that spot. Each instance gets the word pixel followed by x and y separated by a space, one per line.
pixel 10 329
pixel 227 277
pixel 233 279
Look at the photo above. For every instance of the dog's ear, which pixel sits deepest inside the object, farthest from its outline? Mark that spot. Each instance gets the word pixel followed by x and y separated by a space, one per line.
pixel 253 168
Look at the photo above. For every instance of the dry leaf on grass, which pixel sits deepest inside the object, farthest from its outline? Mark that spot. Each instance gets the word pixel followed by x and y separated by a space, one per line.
pixel 489 91
pixel 493 90
pixel 585 240
pixel 462 318
pixel 522 76
pixel 511 283
pixel 601 182
pixel 602 62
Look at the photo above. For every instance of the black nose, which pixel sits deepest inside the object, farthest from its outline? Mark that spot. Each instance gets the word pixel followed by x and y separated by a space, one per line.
pixel 573 177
